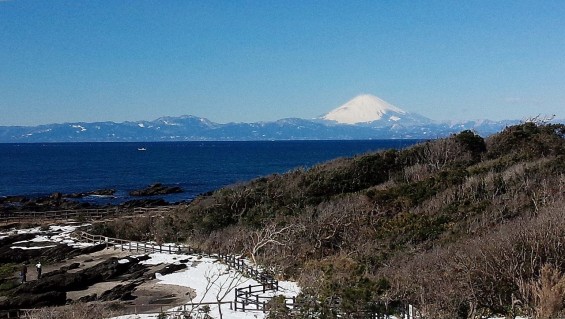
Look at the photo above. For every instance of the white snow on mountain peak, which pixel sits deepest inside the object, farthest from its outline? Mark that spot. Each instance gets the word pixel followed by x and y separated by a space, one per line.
pixel 362 109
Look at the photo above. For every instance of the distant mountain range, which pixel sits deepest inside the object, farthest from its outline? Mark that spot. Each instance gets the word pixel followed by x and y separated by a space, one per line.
pixel 364 117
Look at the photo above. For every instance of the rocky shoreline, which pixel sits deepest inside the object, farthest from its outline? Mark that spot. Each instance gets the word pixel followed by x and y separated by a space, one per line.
pixel 145 197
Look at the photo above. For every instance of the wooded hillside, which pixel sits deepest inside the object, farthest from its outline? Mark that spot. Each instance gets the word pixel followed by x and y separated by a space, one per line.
pixel 459 227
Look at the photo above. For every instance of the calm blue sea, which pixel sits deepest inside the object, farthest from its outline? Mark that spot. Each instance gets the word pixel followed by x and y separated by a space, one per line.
pixel 197 167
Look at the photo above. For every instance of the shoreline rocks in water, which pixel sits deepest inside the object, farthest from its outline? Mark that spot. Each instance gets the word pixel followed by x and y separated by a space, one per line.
pixel 56 201
pixel 156 189
pixel 72 201
pixel 98 192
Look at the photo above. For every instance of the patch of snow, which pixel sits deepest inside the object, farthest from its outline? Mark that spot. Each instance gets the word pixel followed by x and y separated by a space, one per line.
pixel 37 239
pixel 170 123
pixel 394 118
pixel 161 258
pixel 123 261
pixel 82 245
pixel 66 228
pixel 82 129
pixel 31 248
pixel 28 230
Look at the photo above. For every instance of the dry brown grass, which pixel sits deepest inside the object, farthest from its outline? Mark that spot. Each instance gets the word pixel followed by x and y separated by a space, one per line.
pixel 547 293
pixel 75 311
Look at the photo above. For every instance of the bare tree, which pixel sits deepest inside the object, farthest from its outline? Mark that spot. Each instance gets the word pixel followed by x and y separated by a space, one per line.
pixel 219 283
pixel 224 286
pixel 270 234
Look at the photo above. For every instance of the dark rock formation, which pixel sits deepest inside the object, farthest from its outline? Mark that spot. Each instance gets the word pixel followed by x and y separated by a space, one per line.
pixel 169 269
pixel 100 192
pixel 26 301
pixel 120 292
pixel 63 281
pixel 13 199
pixel 70 267
pixel 89 298
pixel 56 198
pixel 53 254
pixel 15 238
pixel 56 201
pixel 9 255
pixel 62 270
pixel 156 189
pixel 143 257
pixel 103 192
pixel 63 251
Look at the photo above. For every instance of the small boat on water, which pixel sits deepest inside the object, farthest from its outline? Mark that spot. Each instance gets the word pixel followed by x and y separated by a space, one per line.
pixel 141 149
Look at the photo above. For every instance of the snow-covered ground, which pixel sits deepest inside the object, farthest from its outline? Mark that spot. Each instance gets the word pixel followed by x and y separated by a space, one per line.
pixel 213 282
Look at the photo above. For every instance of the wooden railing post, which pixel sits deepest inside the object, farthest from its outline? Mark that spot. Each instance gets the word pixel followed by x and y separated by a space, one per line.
pixel 235 300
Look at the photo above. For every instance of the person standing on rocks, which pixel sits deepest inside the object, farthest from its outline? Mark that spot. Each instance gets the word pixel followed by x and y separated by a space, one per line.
pixel 38 267
pixel 23 273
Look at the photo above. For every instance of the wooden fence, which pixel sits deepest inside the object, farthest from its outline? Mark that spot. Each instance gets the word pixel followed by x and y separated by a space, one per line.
pixel 79 214
pixel 136 246
pixel 251 297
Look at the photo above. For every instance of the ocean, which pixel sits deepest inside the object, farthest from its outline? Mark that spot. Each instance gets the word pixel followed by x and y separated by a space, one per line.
pixel 197 167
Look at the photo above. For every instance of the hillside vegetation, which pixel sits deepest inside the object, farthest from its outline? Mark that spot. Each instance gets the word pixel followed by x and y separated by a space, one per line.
pixel 458 227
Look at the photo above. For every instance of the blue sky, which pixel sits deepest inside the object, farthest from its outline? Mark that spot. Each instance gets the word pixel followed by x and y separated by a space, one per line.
pixel 247 61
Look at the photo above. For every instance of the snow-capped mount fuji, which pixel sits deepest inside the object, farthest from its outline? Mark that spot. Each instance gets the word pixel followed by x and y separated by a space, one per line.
pixel 369 109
